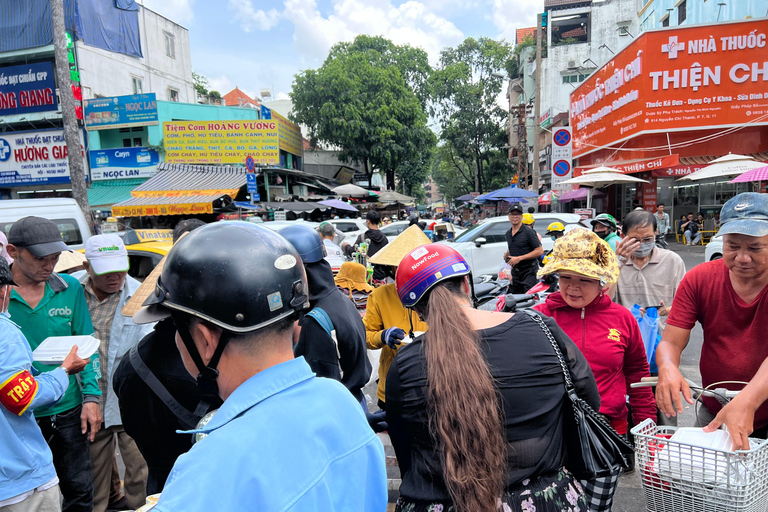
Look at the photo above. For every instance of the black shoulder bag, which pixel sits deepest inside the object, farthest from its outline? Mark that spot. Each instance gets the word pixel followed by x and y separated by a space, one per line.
pixel 593 446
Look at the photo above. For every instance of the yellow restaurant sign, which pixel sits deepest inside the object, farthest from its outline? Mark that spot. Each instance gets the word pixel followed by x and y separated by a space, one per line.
pixel 184 193
pixel 230 142
pixel 162 209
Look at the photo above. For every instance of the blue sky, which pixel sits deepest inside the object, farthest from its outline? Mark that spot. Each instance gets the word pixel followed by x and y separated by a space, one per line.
pixel 257 44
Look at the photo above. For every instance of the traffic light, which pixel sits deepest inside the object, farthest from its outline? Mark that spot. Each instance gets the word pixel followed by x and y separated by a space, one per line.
pixel 544 17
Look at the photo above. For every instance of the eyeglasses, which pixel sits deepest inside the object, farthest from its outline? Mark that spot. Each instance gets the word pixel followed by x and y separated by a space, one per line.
pixel 515 214
pixel 646 240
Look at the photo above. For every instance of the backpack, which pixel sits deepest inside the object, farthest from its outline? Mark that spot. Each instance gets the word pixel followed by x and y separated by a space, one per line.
pixel 322 318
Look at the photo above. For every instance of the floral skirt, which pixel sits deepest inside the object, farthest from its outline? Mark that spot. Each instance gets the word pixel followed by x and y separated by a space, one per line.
pixel 555 492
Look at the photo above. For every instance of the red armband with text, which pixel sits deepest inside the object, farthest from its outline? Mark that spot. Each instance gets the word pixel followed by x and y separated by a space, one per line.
pixel 17 393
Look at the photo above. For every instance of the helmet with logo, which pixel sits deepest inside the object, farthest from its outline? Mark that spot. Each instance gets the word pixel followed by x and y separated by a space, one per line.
pixel 606 219
pixel 555 227
pixel 528 219
pixel 306 241
pixel 239 276
pixel 423 268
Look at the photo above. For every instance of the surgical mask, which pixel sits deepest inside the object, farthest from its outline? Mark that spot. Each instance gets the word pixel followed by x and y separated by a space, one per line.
pixel 553 237
pixel 644 249
pixel 602 234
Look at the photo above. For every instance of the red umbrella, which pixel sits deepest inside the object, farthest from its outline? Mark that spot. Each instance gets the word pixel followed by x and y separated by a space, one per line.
pixel 759 174
pixel 546 197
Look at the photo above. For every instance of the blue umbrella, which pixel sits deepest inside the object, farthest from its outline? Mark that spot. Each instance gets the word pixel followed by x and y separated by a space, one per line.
pixel 510 193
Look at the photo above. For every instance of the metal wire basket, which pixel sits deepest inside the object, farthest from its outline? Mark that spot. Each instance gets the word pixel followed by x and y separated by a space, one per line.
pixel 680 477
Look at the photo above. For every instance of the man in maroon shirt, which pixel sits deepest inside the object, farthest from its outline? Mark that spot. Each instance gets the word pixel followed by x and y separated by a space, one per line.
pixel 729 297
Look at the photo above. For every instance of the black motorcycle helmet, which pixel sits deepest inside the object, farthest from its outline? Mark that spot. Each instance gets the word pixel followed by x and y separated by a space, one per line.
pixel 238 276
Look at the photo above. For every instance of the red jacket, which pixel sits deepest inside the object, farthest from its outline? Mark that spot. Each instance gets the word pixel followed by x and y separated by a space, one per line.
pixel 610 339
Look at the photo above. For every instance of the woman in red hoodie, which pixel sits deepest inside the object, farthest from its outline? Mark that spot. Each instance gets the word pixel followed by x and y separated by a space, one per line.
pixel 606 333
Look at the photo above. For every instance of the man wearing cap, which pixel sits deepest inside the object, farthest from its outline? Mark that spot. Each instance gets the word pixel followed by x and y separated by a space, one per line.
pixel 43 304
pixel 28 480
pixel 107 288
pixel 523 250
pixel 729 297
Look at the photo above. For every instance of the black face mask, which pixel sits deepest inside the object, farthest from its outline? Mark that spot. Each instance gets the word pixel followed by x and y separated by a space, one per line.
pixel 603 234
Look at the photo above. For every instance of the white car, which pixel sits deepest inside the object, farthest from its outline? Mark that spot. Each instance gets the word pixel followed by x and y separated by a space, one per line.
pixel 483 245
pixel 395 228
pixel 714 250
pixel 352 228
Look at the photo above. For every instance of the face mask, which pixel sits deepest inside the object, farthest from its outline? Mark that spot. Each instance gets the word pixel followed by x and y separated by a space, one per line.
pixel 602 234
pixel 554 238
pixel 644 249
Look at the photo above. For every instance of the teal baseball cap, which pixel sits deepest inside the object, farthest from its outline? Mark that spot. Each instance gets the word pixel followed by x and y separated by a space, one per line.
pixel 745 214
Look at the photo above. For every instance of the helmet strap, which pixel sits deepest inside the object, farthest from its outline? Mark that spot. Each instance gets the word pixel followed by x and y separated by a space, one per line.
pixel 410 319
pixel 472 294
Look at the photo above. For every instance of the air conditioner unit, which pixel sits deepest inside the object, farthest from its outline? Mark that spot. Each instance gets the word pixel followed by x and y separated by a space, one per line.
pixel 572 64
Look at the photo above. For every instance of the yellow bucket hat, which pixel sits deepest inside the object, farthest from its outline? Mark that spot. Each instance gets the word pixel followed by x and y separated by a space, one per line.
pixel 394 252
pixel 583 252
pixel 352 276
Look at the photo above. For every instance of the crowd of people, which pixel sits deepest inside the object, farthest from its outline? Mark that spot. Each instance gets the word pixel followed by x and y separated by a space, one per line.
pixel 233 377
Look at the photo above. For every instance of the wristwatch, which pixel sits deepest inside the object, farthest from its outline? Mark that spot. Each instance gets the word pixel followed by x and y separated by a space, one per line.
pixel 65 369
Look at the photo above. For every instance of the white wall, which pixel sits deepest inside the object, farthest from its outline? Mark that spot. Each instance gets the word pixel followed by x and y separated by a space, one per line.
pixel 604 23
pixel 104 73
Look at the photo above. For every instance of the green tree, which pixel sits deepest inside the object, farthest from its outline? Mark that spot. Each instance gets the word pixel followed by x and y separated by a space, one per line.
pixel 201 84
pixel 465 96
pixel 369 98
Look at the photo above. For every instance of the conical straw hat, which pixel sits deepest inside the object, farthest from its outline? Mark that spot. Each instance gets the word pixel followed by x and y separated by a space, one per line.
pixel 146 289
pixel 69 260
pixel 394 252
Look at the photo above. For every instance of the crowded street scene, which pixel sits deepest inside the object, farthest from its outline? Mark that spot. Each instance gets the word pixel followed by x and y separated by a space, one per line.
pixel 384 256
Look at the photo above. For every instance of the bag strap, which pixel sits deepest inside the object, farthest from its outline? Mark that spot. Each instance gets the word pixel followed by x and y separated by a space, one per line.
pixel 536 318
pixel 322 318
pixel 188 419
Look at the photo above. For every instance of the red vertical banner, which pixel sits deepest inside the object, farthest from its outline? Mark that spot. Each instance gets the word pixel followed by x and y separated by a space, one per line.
pixel 649 197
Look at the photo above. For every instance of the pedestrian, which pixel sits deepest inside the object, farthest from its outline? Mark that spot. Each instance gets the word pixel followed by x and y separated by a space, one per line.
pixel 332 335
pixel 605 332
pixel 523 251
pixel 690 229
pixel 28 479
pixel 43 304
pixel 531 210
pixel 729 298
pixel 604 226
pixel 386 320
pixel 107 289
pixel 4 248
pixel 156 394
pixel 530 222
pixel 283 439
pixel 377 241
pixel 333 253
pixel 662 220
pixel 474 418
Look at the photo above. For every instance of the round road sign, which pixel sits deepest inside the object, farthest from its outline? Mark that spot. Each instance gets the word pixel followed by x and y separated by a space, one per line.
pixel 561 168
pixel 562 137
pixel 250 164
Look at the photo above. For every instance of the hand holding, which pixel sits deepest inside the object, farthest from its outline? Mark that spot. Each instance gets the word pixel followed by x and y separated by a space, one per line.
pixel 738 417
pixel 392 337
pixel 671 384
pixel 73 363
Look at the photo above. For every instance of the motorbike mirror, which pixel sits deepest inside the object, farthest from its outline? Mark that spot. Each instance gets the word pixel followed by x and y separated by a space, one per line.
pixel 480 241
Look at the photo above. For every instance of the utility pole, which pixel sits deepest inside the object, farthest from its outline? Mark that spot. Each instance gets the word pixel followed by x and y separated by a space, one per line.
pixel 522 143
pixel 537 107
pixel 67 102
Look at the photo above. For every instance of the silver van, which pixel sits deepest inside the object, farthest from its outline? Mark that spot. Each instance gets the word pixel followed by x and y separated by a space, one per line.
pixel 62 210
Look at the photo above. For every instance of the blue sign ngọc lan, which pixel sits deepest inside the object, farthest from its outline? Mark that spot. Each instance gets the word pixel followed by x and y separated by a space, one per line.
pixel 121 112
pixel 120 163
pixel 27 88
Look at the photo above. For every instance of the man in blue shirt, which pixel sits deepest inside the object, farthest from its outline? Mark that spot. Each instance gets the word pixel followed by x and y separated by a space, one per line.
pixel 284 439
pixel 28 479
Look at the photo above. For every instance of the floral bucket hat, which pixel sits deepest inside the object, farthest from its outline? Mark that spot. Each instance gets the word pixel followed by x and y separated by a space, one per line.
pixel 583 252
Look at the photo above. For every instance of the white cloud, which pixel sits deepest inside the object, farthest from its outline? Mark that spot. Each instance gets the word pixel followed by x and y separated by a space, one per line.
pixel 413 23
pixel 179 11
pixel 509 15
pixel 254 18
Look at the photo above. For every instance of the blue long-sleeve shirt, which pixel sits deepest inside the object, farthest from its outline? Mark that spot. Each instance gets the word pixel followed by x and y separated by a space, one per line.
pixel 25 459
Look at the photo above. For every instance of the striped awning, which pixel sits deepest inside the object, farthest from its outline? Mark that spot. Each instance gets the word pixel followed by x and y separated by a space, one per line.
pixel 103 194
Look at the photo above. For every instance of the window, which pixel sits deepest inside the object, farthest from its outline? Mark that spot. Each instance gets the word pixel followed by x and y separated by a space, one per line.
pixel 141 263
pixel 682 12
pixel 624 31
pixel 570 29
pixel 137 142
pixel 649 22
pixel 346 227
pixel 173 94
pixel 137 85
pixel 496 232
pixel 574 79
pixel 665 21
pixel 127 143
pixel 170 45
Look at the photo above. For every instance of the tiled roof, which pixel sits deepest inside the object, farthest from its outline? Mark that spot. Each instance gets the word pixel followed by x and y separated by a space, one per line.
pixel 236 97
pixel 563 3
pixel 522 33
pixel 576 32
pixel 182 177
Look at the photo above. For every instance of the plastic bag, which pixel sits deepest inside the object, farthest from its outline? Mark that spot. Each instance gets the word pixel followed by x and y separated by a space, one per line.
pixel 649 328
pixel 505 271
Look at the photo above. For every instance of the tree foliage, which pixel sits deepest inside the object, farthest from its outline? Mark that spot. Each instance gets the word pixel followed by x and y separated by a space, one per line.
pixel 369 98
pixel 465 97
pixel 201 84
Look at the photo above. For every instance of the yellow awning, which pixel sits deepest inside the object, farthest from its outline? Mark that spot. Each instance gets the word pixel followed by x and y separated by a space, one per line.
pixel 145 206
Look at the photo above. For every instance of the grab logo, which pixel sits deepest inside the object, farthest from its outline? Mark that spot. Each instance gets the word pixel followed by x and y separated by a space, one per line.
pixel 65 311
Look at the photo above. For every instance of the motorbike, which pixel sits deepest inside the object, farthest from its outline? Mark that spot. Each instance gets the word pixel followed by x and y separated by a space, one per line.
pixel 487 288
pixel 661 242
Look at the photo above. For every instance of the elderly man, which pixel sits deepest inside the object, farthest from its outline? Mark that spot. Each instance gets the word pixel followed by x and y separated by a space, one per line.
pixel 44 304
pixel 28 480
pixel 284 439
pixel 107 288
pixel 649 276
pixel 333 254
pixel 523 250
pixel 729 297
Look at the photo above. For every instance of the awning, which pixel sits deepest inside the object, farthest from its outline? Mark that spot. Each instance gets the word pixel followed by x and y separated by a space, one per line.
pixel 183 190
pixel 634 166
pixel 295 206
pixel 103 194
pixel 339 205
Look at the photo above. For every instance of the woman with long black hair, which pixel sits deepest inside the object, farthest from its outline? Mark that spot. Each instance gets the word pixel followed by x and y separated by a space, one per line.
pixel 475 406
